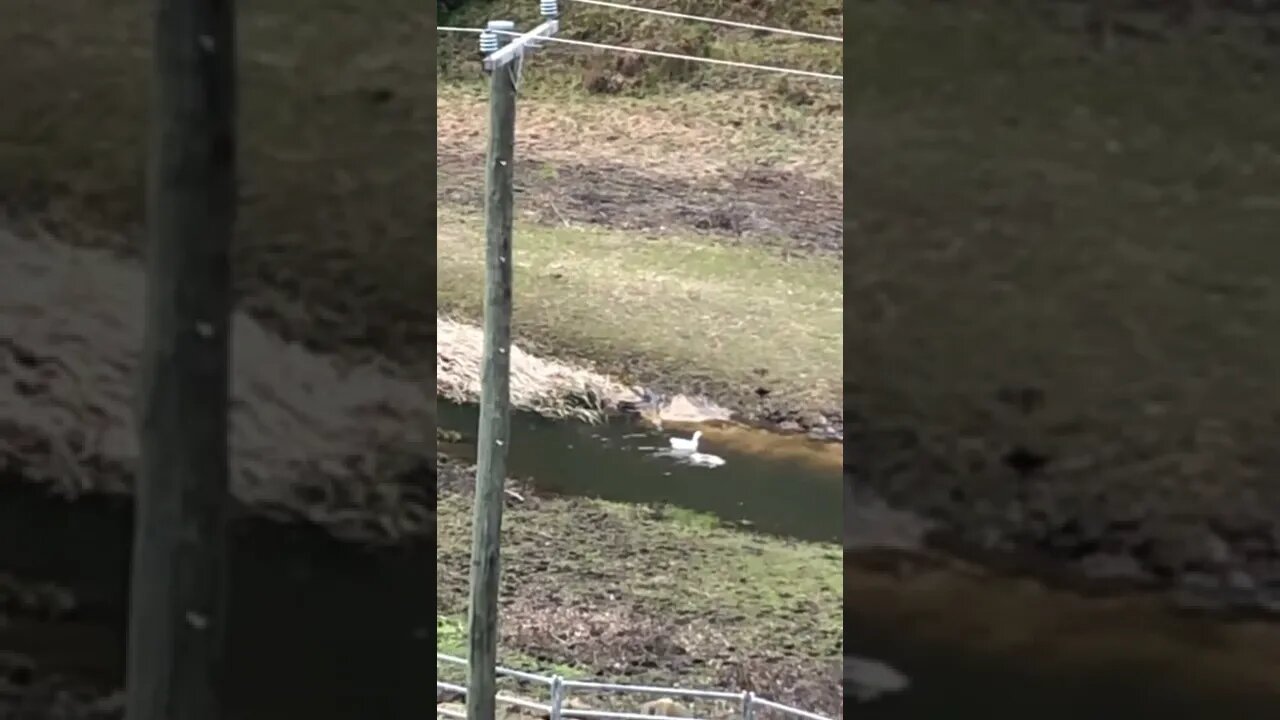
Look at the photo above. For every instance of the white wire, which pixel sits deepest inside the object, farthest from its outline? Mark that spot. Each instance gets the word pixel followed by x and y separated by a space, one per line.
pixel 659 53
pixel 717 21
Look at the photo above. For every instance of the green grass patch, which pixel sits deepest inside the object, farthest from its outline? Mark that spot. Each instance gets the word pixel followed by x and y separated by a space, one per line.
pixel 451 635
pixel 760 593
pixel 755 574
pixel 689 519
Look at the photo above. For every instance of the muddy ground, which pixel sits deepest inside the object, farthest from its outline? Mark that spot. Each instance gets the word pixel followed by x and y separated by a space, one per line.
pixel 629 593
pixel 756 206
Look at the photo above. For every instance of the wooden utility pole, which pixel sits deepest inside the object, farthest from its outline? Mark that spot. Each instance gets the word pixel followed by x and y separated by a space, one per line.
pixel 176 609
pixel 495 402
pixel 495 397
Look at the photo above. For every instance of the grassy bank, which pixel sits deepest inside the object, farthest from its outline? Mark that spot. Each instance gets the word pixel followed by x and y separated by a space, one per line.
pixel 653 595
pixel 662 309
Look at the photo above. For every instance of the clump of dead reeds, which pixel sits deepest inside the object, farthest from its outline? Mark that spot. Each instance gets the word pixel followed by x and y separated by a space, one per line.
pixel 547 387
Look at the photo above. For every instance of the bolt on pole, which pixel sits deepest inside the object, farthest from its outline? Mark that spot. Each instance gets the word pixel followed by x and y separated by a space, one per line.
pixel 504 53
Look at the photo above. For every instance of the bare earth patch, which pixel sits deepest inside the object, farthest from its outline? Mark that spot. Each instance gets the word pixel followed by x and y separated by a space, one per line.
pixel 695 135
pixel 743 165
pixel 777 208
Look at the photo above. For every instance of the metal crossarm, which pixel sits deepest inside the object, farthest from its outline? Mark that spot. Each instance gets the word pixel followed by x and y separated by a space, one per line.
pixel 518 44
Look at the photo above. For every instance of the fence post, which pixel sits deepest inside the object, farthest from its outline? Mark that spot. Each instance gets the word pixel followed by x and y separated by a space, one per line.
pixel 748 705
pixel 557 696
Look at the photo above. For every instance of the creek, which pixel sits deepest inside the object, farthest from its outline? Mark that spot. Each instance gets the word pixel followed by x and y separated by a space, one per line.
pixel 781 485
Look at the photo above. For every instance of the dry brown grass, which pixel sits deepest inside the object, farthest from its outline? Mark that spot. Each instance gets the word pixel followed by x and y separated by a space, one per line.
pixel 690 136
pixel 628 75
pixel 548 387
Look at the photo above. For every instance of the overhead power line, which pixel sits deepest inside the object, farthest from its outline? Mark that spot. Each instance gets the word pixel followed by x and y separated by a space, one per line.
pixel 659 53
pixel 715 21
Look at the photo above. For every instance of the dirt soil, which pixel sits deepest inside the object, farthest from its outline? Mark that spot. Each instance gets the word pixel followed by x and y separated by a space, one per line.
pixel 629 593
pixel 758 205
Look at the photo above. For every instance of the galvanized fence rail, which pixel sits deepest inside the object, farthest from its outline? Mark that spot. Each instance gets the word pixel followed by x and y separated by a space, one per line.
pixel 560 688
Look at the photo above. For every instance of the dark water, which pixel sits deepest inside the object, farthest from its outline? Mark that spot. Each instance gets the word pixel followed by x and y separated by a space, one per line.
pixel 616 461
pixel 316 628
pixel 954 681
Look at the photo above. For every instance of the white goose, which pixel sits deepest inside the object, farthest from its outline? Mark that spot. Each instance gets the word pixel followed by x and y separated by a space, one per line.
pixel 689 445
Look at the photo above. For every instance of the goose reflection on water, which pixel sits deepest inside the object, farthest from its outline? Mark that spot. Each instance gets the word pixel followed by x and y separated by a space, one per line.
pixel 685 451
pixel 685 457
